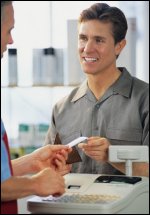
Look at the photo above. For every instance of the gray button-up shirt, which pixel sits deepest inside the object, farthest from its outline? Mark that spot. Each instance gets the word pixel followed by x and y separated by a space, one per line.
pixel 121 115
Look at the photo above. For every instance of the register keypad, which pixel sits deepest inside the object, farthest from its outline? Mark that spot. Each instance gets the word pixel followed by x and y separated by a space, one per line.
pixel 76 198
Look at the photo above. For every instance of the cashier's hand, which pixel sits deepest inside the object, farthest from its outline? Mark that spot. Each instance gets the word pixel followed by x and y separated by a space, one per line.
pixel 48 182
pixel 96 148
pixel 59 162
pixel 53 156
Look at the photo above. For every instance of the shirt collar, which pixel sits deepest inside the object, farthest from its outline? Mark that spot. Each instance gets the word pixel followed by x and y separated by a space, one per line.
pixel 122 86
pixel 81 91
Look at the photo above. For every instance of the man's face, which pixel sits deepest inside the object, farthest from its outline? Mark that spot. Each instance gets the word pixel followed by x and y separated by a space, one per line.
pixel 97 49
pixel 7 24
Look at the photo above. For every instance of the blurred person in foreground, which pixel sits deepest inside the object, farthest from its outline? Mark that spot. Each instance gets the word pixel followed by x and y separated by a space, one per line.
pixel 46 164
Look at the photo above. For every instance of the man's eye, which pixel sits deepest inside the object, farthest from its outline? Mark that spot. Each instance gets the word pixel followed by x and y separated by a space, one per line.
pixel 99 40
pixel 83 38
pixel 9 32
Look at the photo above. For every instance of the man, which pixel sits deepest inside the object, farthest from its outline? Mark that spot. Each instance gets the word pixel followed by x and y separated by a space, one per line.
pixel 47 162
pixel 111 106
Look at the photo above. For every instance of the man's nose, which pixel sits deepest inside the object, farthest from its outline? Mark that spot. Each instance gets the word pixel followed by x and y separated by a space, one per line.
pixel 89 47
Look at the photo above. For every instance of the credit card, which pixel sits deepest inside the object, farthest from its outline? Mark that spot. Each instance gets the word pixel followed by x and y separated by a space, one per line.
pixel 77 141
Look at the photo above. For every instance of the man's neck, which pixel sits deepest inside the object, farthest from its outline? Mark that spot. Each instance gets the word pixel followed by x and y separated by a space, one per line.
pixel 99 83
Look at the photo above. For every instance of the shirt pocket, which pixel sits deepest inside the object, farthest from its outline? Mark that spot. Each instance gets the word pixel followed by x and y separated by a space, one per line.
pixel 67 138
pixel 124 137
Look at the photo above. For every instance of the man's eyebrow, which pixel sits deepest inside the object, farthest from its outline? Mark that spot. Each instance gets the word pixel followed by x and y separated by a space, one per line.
pixel 82 35
pixel 95 37
pixel 100 37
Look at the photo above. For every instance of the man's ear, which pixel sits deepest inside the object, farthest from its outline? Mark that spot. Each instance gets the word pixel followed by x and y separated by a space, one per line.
pixel 119 46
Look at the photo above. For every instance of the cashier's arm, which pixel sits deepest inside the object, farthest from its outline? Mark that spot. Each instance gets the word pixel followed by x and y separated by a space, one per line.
pixel 97 149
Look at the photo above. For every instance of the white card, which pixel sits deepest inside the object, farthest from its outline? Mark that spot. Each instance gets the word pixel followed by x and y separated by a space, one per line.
pixel 76 141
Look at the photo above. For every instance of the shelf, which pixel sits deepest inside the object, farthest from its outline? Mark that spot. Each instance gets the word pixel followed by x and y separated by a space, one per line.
pixel 39 86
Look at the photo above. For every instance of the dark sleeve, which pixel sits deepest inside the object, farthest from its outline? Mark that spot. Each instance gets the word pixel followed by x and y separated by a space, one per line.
pixel 145 119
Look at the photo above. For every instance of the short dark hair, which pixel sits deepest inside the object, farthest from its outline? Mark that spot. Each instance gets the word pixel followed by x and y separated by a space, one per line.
pixel 3 4
pixel 107 14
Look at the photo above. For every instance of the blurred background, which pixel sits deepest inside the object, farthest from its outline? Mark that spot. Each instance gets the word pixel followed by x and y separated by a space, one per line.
pixel 42 65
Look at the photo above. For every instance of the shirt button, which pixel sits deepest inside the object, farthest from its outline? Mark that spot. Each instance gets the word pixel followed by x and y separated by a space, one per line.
pixel 97 106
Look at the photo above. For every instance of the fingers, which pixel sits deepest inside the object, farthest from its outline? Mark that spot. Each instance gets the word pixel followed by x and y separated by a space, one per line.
pixel 96 148
pixel 59 162
pixel 62 156
pixel 101 141
pixel 48 182
pixel 49 151
pixel 56 148
pixel 61 152
pixel 95 143
pixel 65 170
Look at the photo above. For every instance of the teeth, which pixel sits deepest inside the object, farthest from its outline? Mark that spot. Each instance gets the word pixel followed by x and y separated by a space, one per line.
pixel 90 59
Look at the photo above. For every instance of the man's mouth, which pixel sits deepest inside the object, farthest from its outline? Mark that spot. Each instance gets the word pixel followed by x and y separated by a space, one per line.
pixel 90 59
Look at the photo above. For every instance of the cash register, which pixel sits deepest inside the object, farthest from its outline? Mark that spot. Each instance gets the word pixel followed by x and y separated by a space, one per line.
pixel 101 194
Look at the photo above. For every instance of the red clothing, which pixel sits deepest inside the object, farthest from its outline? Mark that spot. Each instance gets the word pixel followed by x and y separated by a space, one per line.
pixel 9 207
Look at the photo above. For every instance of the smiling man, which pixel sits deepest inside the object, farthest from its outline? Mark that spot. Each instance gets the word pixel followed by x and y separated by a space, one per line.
pixel 111 107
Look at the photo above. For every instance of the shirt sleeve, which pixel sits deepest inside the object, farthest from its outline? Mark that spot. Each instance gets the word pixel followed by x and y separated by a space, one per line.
pixel 145 137
pixel 145 117
pixel 51 133
pixel 5 169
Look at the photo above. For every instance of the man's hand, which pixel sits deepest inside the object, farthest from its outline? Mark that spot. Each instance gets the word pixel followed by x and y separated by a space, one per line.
pixel 53 156
pixel 96 148
pixel 59 162
pixel 48 182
